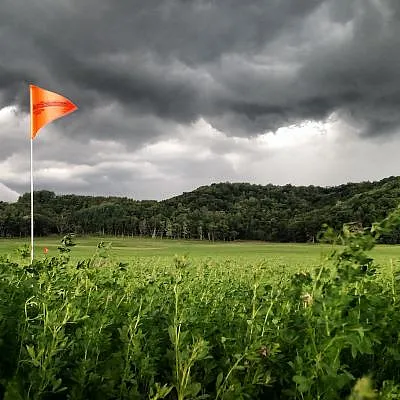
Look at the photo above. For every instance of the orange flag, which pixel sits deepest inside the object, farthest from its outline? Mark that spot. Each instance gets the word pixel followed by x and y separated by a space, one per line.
pixel 46 107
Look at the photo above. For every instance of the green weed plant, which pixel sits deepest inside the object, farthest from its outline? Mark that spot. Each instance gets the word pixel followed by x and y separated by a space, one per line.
pixel 102 329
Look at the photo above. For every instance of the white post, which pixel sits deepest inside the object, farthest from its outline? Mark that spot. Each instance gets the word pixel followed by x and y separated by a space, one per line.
pixel 31 110
pixel 31 200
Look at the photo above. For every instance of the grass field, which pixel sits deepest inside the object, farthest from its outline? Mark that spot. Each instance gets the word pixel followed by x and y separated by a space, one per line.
pixel 231 321
pixel 127 249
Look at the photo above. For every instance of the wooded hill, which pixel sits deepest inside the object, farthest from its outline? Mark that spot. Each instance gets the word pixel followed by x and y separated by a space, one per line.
pixel 222 211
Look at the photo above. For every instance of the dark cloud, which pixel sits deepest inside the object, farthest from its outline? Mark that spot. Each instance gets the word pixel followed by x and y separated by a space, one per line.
pixel 144 71
pixel 161 58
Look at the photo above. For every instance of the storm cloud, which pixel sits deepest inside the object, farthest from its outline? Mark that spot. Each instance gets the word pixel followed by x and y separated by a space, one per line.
pixel 246 67
pixel 145 71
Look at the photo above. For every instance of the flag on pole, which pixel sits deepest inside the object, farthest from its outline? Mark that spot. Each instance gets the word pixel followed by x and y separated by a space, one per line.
pixel 47 106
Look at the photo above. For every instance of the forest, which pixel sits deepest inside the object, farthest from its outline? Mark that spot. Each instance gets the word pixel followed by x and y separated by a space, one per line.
pixel 220 211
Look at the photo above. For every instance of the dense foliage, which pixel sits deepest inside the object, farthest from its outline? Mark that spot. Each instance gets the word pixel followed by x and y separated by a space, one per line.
pixel 224 211
pixel 100 329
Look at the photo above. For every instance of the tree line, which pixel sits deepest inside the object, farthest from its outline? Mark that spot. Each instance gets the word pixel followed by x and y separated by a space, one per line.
pixel 221 211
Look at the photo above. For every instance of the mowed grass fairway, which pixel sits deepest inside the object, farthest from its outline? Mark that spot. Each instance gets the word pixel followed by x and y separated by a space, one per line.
pixel 128 249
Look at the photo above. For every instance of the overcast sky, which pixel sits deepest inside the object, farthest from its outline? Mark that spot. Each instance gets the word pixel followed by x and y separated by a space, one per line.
pixel 175 94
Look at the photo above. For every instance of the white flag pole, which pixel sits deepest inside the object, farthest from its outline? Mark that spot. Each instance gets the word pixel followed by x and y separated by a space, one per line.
pixel 60 106
pixel 31 111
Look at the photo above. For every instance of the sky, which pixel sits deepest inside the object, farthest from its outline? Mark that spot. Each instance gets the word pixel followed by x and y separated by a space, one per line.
pixel 176 94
